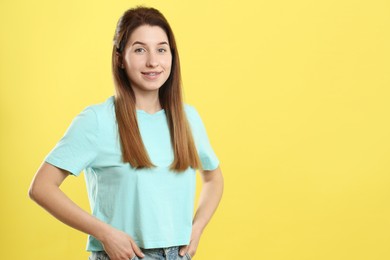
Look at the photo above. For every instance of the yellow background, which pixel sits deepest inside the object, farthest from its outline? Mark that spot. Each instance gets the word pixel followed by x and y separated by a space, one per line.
pixel 294 96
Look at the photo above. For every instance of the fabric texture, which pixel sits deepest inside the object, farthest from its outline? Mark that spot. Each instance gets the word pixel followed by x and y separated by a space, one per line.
pixel 169 253
pixel 154 206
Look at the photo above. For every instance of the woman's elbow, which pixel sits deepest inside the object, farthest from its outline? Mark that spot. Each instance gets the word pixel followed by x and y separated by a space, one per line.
pixel 39 188
pixel 33 191
pixel 47 178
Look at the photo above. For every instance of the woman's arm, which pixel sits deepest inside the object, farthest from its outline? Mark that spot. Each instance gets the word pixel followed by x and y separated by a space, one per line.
pixel 45 191
pixel 210 196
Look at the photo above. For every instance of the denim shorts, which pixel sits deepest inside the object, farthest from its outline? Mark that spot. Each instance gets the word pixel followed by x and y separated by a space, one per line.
pixel 167 253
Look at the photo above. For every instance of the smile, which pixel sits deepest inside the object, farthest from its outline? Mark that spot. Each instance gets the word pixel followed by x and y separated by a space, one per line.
pixel 151 75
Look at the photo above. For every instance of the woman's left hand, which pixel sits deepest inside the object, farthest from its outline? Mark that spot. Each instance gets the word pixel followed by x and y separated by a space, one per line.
pixel 191 248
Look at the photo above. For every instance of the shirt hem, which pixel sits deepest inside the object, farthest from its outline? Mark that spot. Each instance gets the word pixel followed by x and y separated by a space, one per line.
pixel 148 245
pixel 59 164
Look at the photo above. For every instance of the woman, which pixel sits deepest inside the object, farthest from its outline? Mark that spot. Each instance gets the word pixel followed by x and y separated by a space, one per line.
pixel 139 150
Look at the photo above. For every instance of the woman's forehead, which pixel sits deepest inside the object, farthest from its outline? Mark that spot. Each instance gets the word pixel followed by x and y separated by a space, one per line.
pixel 148 35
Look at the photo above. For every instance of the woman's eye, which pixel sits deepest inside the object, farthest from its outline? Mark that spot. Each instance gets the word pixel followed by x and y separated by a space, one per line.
pixel 139 50
pixel 162 50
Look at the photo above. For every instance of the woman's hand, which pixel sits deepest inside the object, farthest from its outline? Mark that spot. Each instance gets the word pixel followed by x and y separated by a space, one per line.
pixel 194 242
pixel 120 246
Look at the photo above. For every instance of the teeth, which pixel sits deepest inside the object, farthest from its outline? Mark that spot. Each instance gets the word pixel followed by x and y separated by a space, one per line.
pixel 151 74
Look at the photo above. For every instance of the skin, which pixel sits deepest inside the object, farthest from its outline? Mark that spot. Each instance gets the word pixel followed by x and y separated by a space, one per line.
pixel 45 187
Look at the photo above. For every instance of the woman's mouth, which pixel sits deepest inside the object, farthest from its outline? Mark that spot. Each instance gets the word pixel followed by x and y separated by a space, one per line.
pixel 151 75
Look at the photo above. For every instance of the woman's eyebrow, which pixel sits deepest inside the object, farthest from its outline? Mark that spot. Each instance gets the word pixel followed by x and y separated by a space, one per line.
pixel 138 42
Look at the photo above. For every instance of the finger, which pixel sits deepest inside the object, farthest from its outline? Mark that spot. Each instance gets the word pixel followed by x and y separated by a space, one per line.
pixel 183 250
pixel 137 250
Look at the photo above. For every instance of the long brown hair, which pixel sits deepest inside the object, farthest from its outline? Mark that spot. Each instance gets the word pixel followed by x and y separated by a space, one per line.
pixel 170 97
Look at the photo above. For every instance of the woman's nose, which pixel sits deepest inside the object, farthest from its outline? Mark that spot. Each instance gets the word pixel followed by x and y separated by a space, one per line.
pixel 152 60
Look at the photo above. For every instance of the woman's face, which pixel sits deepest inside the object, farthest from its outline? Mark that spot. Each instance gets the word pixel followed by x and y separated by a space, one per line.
pixel 147 58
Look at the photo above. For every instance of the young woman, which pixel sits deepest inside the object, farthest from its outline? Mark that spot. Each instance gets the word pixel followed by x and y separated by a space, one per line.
pixel 139 150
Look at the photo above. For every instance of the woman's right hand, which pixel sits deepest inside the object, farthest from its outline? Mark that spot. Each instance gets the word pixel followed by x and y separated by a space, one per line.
pixel 120 246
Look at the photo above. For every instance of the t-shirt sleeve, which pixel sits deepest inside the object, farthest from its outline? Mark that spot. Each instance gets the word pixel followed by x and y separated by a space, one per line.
pixel 77 148
pixel 206 153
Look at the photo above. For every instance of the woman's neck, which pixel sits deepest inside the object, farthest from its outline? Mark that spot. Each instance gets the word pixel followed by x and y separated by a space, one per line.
pixel 148 103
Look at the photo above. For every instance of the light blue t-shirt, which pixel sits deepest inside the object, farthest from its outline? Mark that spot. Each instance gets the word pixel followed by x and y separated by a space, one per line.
pixel 154 206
